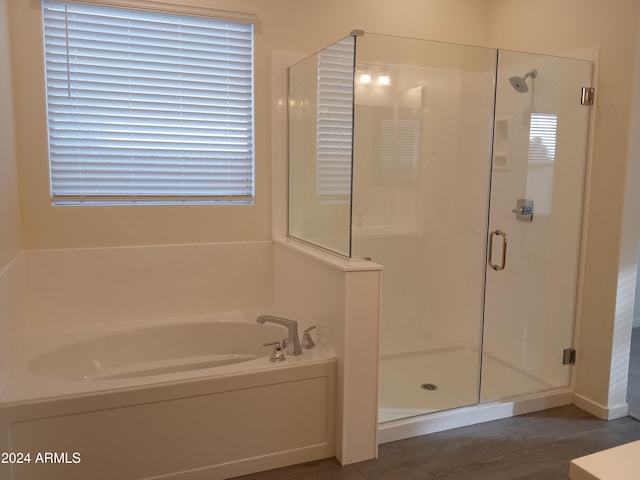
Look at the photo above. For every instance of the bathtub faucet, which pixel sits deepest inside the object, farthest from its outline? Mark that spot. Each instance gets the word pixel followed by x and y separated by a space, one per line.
pixel 293 341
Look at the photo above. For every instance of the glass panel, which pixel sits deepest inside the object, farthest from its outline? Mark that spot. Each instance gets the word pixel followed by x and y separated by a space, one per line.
pixel 320 147
pixel 422 154
pixel 539 156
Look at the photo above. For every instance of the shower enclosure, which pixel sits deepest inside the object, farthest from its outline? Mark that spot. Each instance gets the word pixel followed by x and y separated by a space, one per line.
pixel 460 169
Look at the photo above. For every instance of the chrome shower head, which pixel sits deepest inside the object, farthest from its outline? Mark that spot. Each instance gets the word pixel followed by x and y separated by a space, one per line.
pixel 520 83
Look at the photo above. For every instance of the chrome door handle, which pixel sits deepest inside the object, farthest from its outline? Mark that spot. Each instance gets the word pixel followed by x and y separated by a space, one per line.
pixel 504 249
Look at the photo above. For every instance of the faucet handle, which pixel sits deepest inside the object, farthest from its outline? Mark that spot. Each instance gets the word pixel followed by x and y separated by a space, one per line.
pixel 307 341
pixel 277 355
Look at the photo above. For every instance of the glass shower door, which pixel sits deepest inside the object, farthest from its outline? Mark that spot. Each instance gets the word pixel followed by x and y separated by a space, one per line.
pixel 422 154
pixel 540 143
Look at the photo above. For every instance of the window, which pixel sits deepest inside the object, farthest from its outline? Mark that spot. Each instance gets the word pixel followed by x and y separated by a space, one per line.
pixel 148 107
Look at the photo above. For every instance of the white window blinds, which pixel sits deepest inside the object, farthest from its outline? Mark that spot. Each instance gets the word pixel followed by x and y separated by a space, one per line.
pixel 335 121
pixel 148 107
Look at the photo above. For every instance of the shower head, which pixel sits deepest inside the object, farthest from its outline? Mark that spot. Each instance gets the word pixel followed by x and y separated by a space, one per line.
pixel 520 83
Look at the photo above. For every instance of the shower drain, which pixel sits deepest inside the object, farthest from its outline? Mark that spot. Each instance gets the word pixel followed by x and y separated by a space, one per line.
pixel 428 386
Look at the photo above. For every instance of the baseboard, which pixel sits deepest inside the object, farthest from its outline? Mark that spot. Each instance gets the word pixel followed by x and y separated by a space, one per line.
pixel 600 411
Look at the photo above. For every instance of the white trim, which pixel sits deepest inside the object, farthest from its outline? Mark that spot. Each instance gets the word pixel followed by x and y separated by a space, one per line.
pixel 334 260
pixel 600 411
pixel 164 6
pixel 465 416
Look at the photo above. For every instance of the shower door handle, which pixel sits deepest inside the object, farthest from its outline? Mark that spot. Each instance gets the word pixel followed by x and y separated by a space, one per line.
pixel 504 249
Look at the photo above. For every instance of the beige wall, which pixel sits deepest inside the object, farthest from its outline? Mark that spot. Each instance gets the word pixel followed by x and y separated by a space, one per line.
pixel 10 235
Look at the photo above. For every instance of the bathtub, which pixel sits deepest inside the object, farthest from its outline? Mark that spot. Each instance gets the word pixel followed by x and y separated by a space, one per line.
pixel 184 400
pixel 157 350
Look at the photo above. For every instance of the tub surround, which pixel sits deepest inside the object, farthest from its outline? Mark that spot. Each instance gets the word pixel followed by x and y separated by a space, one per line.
pixel 104 285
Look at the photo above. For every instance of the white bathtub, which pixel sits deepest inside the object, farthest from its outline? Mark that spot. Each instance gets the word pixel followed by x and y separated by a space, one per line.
pixel 183 400
pixel 158 350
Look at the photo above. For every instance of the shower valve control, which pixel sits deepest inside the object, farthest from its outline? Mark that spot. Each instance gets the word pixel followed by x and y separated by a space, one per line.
pixel 524 210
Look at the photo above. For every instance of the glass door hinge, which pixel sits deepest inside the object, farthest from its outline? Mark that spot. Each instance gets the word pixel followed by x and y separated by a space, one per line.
pixel 569 356
pixel 588 93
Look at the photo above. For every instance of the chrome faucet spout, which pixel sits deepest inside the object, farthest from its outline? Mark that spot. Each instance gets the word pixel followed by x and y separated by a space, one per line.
pixel 293 340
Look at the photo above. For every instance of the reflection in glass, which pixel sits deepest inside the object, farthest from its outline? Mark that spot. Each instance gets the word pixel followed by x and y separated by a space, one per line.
pixel 542 153
pixel 400 140
pixel 335 122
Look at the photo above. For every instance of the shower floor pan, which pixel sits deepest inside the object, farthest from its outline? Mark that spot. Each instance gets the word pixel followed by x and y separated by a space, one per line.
pixel 418 383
